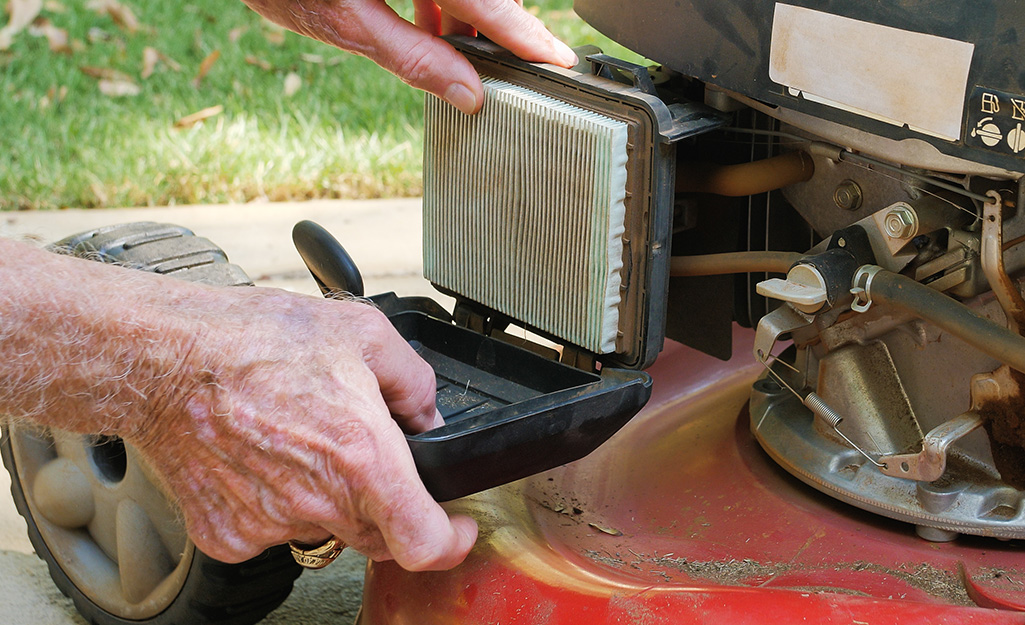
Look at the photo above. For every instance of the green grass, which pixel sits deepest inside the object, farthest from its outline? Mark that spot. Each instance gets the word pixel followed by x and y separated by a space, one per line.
pixel 351 131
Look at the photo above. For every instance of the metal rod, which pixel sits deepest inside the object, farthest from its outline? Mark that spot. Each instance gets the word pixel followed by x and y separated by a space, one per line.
pixel 949 315
pixel 1005 289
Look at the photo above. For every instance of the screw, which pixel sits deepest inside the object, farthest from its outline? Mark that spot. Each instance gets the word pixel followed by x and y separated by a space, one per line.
pixel 901 222
pixel 848 195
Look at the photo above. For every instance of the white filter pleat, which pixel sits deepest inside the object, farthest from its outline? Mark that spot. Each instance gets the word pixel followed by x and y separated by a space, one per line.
pixel 524 211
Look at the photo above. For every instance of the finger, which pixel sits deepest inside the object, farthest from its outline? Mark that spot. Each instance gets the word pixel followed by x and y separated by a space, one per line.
pixel 506 23
pixel 406 381
pixel 452 26
pixel 419 534
pixel 427 16
pixel 417 57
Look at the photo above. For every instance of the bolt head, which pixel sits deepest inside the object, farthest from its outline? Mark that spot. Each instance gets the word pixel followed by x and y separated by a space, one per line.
pixel 847 195
pixel 901 223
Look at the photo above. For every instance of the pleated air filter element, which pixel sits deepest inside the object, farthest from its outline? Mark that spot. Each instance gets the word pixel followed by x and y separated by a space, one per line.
pixel 524 211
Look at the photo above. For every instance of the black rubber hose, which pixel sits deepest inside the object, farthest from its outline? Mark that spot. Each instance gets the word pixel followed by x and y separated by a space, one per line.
pixel 987 336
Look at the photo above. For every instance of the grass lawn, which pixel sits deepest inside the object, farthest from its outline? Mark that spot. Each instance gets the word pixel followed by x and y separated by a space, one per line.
pixel 300 120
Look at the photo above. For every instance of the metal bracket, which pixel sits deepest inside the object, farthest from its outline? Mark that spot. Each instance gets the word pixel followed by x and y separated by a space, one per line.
pixel 929 464
pixel 784 319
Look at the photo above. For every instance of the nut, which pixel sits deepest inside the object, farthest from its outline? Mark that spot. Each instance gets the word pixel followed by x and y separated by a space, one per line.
pixel 901 222
pixel 848 195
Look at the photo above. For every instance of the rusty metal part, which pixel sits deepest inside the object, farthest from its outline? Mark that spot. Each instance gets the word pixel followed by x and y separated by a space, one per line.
pixel 1001 410
pixel 733 262
pixel 1005 290
pixel 929 464
pixel 746 178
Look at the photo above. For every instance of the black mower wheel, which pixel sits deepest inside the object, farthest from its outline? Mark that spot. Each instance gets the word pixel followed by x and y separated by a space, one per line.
pixel 111 539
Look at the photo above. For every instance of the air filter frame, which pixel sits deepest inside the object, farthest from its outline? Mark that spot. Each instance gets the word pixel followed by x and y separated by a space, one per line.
pixel 653 128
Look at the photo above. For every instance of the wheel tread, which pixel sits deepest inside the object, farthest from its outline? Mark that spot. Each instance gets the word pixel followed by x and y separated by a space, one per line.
pixel 214 593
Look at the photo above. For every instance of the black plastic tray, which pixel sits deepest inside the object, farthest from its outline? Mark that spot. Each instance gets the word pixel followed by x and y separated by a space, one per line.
pixel 509 412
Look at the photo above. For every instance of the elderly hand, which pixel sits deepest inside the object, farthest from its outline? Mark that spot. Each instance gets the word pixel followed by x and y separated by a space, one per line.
pixel 287 423
pixel 415 53
pixel 269 416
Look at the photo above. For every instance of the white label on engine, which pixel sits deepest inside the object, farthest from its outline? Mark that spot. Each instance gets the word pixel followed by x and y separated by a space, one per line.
pixel 892 75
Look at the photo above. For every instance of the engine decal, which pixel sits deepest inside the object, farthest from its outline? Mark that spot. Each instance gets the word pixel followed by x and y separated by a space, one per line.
pixel 996 121
pixel 893 75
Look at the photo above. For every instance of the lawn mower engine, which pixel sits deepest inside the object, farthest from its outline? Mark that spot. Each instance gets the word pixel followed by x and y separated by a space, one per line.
pixel 842 178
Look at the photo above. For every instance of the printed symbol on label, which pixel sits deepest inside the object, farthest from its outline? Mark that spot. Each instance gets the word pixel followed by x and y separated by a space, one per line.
pixel 988 132
pixel 1016 139
pixel 990 103
pixel 1019 109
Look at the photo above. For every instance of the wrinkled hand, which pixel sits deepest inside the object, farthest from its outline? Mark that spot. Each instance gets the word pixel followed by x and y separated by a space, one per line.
pixel 287 421
pixel 415 53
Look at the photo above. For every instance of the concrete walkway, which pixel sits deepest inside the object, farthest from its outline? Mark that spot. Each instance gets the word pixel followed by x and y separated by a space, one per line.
pixel 383 237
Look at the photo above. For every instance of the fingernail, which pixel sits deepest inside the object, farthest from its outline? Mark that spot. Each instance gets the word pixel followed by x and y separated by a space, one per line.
pixel 438 420
pixel 462 98
pixel 568 57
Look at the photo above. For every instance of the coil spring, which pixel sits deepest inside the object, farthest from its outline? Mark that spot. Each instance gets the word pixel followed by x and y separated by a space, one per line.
pixel 822 409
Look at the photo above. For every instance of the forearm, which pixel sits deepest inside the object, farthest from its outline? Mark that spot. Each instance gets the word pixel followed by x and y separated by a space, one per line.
pixel 269 415
pixel 89 347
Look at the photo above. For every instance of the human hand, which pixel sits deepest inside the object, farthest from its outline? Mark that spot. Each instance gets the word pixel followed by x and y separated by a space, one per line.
pixel 285 422
pixel 415 53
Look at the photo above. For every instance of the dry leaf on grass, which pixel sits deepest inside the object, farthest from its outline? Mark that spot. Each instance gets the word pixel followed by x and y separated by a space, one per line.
pixel 53 94
pixel 319 60
pixel 22 13
pixel 56 37
pixel 105 73
pixel 97 35
pixel 235 33
pixel 204 67
pixel 54 6
pixel 150 58
pixel 168 61
pixel 191 120
pixel 292 84
pixel 273 33
pixel 118 88
pixel 262 64
pixel 120 13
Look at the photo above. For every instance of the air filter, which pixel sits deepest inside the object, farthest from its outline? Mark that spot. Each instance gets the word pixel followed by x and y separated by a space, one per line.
pixel 524 211
pixel 553 206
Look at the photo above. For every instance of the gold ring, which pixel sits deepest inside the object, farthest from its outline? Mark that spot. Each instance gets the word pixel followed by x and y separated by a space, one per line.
pixel 316 556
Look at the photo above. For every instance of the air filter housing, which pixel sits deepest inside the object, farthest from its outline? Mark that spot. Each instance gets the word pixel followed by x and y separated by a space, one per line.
pixel 553 205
